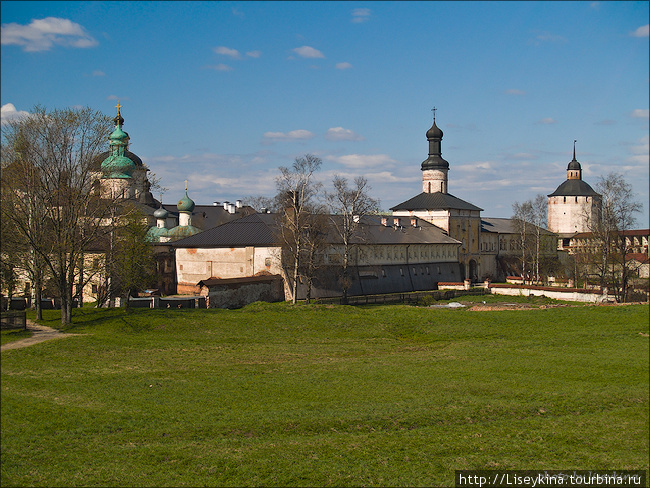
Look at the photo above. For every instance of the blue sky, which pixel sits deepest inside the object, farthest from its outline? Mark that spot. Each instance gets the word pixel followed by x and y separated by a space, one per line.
pixel 222 93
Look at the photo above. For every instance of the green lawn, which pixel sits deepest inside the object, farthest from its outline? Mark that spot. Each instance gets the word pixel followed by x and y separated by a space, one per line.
pixel 274 394
pixel 13 335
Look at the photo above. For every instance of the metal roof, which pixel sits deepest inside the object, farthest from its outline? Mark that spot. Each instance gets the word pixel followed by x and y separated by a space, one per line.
pixel 503 226
pixel 574 188
pixel 435 201
pixel 260 230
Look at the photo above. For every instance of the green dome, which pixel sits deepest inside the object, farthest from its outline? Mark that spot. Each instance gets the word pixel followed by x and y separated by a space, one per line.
pixel 118 135
pixel 155 233
pixel 182 231
pixel 117 166
pixel 161 213
pixel 185 204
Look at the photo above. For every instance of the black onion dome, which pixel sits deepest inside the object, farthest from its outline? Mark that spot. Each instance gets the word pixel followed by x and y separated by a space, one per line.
pixel 435 161
pixel 434 132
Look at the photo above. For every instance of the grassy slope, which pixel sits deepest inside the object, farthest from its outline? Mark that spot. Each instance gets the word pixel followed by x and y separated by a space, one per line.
pixel 309 395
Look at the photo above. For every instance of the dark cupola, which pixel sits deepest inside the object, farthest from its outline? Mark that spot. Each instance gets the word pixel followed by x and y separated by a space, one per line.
pixel 574 170
pixel 434 168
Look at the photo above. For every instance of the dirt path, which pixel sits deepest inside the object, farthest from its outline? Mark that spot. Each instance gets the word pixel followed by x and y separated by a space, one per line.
pixel 40 333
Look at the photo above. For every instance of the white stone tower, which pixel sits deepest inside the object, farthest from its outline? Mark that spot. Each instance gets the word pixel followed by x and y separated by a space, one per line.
pixel 434 168
pixel 574 206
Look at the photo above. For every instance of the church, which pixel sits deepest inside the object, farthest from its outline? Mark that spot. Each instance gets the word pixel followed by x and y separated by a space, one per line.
pixel 489 246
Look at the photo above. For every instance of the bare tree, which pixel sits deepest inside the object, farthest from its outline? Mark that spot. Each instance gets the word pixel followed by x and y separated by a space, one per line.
pixel 539 213
pixel 349 204
pixel 314 243
pixel 134 261
pixel 296 201
pixel 259 202
pixel 56 150
pixel 609 231
pixel 522 217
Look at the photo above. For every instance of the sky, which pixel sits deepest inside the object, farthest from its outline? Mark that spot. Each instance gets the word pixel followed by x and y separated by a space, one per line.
pixel 221 94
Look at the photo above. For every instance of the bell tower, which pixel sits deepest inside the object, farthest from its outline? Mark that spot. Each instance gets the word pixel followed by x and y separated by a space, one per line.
pixel 434 168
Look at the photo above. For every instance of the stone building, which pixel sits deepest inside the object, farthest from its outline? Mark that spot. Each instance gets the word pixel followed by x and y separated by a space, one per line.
pixel 574 205
pixel 389 255
pixel 488 245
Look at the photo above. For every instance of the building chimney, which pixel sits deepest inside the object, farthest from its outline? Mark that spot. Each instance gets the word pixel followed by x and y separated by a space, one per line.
pixel 356 218
pixel 238 203
pixel 231 208
pixel 225 205
pixel 263 210
pixel 216 204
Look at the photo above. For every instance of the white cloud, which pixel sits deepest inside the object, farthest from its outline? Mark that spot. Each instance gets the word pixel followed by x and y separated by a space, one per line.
pixel 360 15
pixel 546 121
pixel 299 134
pixel 545 36
pixel 237 13
pixel 366 161
pixel 341 134
pixel 10 113
pixel 226 51
pixel 640 113
pixel 42 34
pixel 478 165
pixel 254 54
pixel 514 91
pixel 219 67
pixel 642 31
pixel 343 65
pixel 308 52
pixel 595 5
pixel 98 72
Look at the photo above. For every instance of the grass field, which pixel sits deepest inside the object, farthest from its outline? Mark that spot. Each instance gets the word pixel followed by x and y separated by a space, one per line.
pixel 275 394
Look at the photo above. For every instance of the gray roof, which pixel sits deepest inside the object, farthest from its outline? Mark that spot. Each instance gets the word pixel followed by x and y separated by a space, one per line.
pixel 260 230
pixel 574 188
pixel 502 226
pixel 208 216
pixel 435 201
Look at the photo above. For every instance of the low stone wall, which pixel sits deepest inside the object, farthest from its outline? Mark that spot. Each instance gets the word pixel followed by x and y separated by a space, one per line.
pixel 568 294
pixel 237 296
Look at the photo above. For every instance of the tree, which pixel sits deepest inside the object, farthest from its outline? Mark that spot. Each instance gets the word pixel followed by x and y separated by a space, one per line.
pixel 51 196
pixel 314 243
pixel 349 204
pixel 530 220
pixel 296 201
pixel 617 216
pixel 522 217
pixel 133 260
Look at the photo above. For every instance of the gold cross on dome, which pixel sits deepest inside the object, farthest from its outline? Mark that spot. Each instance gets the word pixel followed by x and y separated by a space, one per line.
pixel 185 185
pixel 118 106
pixel 434 113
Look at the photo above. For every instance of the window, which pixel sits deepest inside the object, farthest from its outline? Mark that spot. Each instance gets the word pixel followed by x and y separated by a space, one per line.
pixel 267 262
pixel 401 272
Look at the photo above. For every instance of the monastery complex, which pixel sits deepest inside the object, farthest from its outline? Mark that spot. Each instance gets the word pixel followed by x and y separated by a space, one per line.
pixel 432 238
